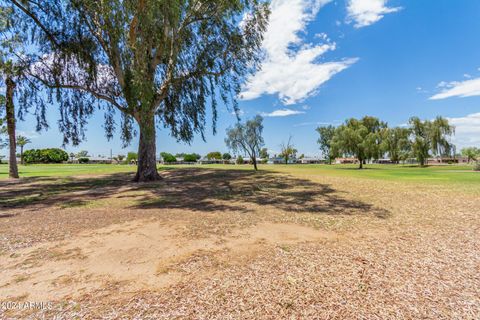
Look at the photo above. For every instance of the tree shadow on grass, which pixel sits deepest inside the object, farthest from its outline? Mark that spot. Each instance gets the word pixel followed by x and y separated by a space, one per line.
pixel 195 189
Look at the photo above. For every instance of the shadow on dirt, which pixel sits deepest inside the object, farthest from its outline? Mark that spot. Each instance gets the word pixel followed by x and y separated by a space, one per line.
pixel 193 189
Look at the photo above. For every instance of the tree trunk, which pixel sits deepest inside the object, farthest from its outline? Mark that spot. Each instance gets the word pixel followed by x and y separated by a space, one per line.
pixel 254 159
pixel 12 163
pixel 361 164
pixel 21 155
pixel 147 162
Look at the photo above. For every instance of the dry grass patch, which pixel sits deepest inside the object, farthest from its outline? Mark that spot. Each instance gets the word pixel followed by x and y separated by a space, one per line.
pixel 217 244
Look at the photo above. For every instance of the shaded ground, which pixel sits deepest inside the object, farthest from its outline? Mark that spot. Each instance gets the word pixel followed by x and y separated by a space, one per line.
pixel 205 243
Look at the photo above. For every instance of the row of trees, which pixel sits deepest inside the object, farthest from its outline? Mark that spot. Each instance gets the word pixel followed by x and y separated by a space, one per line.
pixel 370 138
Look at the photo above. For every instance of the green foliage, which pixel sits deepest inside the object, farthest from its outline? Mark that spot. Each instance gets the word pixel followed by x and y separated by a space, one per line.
pixel 226 156
pixel 240 160
pixel 263 153
pixel 82 154
pixel 476 167
pixel 168 157
pixel 430 136
pixel 396 143
pixel 359 138
pixel 131 156
pixel 52 155
pixel 120 157
pixel 190 157
pixel 247 138
pixel 153 61
pixel 215 155
pixel 22 141
pixel 471 153
pixel 83 160
pixel 325 141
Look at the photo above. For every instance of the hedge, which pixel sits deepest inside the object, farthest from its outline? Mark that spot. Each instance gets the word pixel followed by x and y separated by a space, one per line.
pixel 51 155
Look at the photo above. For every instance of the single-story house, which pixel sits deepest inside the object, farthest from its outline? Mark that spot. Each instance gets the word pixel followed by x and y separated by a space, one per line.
pixel 345 160
pixel 310 160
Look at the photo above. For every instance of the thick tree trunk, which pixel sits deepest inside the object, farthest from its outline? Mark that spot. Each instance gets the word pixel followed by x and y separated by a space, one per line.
pixel 361 164
pixel 254 159
pixel 12 162
pixel 147 161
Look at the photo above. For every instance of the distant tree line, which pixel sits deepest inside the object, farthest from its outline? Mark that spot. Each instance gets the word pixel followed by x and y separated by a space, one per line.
pixel 370 138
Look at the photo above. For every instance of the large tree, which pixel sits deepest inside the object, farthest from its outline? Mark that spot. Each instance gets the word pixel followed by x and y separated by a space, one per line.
pixel 396 143
pixel 360 138
pixel 325 141
pixel 421 139
pixel 158 62
pixel 246 137
pixel 440 131
pixel 430 136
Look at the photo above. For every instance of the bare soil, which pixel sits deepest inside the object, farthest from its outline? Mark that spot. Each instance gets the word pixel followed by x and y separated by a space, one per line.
pixel 234 244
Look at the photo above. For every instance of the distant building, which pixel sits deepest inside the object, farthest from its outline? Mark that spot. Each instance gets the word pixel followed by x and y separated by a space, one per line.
pixel 383 161
pixel 447 160
pixel 346 160
pixel 311 160
pixel 97 160
pixel 281 160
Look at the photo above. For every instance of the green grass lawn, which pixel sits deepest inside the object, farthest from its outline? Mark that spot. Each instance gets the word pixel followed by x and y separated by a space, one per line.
pixel 434 174
pixel 62 170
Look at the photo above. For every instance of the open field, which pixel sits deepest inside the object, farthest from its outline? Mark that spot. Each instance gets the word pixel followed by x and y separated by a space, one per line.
pixel 219 242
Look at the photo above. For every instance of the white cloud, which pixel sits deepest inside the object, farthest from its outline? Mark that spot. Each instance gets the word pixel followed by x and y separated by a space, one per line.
pixel 366 12
pixel 291 68
pixel 467 130
pixel 282 113
pixel 467 88
pixel 305 124
pixel 28 134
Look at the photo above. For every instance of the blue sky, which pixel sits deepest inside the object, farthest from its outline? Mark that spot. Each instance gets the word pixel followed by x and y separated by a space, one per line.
pixel 330 60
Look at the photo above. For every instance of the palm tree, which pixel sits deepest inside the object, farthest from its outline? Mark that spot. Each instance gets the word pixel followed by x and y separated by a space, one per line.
pixel 21 142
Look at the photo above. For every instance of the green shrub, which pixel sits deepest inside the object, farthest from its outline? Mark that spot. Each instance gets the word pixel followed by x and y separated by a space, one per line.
pixel 226 156
pixel 52 155
pixel 215 155
pixel 131 156
pixel 83 160
pixel 476 166
pixel 190 157
pixel 168 157
pixel 240 160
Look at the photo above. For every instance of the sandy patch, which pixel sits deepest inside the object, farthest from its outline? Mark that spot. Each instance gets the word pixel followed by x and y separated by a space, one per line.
pixel 141 255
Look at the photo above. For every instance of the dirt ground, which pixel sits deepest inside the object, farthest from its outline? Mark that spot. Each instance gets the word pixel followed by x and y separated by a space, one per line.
pixel 234 244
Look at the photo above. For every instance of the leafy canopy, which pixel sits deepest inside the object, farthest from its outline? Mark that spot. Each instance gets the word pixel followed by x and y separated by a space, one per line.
pixel 325 141
pixel 360 138
pixel 162 59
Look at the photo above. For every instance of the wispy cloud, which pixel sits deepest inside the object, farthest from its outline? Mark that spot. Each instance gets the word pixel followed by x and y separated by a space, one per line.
pixel 467 130
pixel 467 88
pixel 291 68
pixel 28 134
pixel 312 123
pixel 282 113
pixel 366 12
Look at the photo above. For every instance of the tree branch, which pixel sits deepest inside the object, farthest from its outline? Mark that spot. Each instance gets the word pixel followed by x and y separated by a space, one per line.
pixel 37 22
